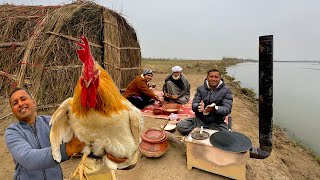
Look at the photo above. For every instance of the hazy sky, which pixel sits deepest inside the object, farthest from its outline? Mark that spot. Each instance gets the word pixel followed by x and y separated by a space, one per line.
pixel 211 29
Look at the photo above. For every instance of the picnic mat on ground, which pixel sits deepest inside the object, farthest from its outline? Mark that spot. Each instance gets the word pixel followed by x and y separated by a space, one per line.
pixel 185 110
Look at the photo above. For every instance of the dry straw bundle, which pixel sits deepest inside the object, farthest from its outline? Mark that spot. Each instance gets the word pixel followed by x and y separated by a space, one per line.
pixel 37 47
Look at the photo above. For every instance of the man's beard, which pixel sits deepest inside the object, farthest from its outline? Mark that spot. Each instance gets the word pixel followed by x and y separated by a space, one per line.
pixel 175 78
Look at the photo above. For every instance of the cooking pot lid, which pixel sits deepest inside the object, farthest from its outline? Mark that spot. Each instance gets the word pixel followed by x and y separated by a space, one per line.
pixel 153 135
pixel 230 141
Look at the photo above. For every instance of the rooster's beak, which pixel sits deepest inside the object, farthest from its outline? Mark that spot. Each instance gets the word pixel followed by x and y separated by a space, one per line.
pixel 87 83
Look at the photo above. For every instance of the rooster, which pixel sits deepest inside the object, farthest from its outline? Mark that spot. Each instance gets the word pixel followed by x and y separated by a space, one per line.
pixel 98 115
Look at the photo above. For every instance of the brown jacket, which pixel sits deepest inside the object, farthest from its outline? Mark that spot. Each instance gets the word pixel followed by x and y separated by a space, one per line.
pixel 138 87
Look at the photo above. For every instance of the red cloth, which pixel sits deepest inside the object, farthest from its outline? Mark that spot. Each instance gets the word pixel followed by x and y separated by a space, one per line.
pixel 185 110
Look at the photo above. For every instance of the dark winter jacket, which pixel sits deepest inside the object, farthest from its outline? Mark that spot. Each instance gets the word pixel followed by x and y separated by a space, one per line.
pixel 221 96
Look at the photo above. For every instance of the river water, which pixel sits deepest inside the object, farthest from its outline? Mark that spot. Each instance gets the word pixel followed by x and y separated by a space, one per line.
pixel 296 97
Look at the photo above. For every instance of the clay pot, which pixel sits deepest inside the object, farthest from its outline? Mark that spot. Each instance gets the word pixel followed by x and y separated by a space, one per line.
pixel 153 143
pixel 157 111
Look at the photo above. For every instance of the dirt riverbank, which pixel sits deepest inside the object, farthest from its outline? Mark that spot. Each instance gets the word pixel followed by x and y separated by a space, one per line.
pixel 287 161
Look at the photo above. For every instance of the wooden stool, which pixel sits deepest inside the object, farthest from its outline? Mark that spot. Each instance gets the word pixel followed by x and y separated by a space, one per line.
pixel 202 155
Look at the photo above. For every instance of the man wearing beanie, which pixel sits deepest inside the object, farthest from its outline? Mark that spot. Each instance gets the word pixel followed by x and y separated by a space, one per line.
pixel 138 91
pixel 176 87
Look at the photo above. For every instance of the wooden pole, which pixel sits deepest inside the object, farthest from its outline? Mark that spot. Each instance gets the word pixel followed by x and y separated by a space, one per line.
pixel 13 77
pixel 175 140
pixel 72 38
pixel 105 48
pixel 30 45
pixel 11 44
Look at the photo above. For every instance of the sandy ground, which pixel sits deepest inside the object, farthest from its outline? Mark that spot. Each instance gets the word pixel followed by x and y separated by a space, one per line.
pixel 287 161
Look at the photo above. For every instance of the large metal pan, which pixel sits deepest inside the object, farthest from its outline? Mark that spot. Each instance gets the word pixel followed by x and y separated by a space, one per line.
pixel 230 141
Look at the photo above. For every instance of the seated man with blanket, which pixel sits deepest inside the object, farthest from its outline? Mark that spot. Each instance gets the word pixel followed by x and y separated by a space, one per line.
pixel 176 87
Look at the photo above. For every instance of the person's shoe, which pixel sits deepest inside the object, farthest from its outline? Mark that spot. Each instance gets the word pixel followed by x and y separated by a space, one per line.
pixel 151 101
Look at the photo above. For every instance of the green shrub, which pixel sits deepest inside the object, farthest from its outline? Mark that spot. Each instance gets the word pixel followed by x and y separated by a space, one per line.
pixel 248 92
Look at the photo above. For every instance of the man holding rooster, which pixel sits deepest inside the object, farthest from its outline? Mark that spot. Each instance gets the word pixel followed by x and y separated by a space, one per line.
pixel 28 141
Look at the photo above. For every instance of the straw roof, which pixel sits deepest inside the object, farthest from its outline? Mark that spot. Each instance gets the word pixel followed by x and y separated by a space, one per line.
pixel 37 47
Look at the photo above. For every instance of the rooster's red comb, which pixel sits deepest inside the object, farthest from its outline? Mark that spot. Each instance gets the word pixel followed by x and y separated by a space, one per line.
pixel 84 54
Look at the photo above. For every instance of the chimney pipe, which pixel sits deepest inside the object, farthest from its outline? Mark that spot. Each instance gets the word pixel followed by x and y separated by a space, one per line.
pixel 265 98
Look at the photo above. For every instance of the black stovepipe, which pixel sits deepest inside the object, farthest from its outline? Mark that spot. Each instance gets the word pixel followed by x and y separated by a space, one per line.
pixel 265 98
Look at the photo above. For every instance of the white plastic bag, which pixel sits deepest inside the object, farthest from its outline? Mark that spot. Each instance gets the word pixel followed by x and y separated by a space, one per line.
pixel 173 117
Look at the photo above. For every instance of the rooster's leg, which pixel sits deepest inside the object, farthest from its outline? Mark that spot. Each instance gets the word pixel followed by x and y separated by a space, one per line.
pixel 81 167
pixel 113 174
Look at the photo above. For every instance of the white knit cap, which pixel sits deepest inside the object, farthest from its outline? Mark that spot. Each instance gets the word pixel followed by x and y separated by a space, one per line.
pixel 176 69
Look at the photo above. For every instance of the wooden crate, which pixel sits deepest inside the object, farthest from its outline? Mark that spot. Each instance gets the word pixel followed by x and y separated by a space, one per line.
pixel 202 155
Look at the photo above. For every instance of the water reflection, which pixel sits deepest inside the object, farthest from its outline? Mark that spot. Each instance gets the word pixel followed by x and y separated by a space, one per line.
pixel 296 97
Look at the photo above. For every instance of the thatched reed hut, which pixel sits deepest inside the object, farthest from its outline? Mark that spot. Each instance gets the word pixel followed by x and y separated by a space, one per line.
pixel 38 51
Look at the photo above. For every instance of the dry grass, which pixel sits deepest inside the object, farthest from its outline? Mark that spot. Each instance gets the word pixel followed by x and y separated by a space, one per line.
pixel 37 47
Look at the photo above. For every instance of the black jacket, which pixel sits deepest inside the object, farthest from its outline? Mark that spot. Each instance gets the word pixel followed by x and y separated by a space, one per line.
pixel 221 96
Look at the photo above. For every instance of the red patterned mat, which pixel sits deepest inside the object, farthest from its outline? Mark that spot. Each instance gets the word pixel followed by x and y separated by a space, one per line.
pixel 185 110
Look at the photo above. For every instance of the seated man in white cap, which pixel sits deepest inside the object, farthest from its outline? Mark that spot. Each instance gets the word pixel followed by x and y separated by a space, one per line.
pixel 138 91
pixel 176 87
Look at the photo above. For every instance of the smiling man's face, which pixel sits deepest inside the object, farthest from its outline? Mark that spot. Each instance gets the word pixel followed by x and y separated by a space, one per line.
pixel 213 79
pixel 23 106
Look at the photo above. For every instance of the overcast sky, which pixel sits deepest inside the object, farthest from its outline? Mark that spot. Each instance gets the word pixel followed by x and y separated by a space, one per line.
pixel 211 29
